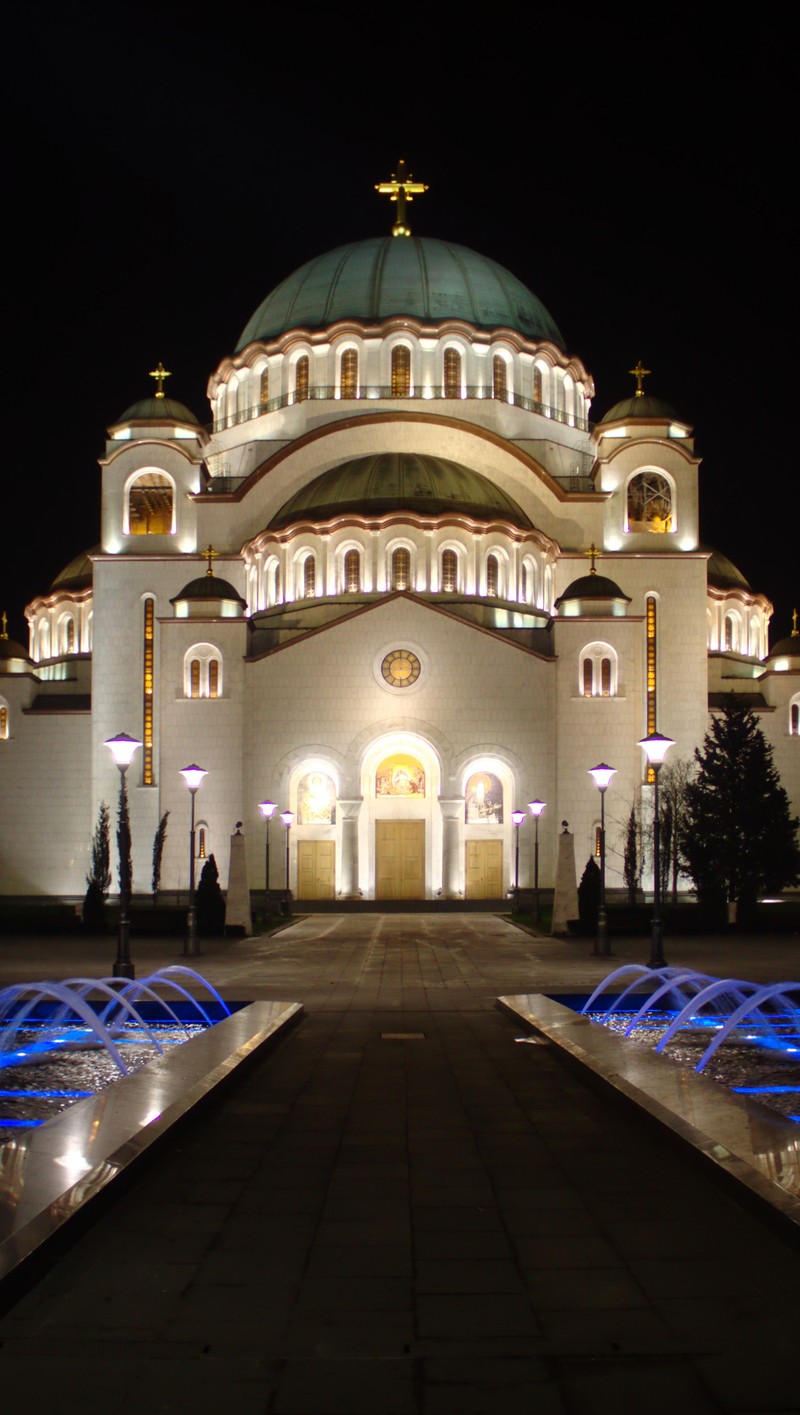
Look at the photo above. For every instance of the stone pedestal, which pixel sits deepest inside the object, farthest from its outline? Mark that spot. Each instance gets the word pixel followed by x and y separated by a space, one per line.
pixel 349 813
pixel 452 870
pixel 565 894
pixel 237 903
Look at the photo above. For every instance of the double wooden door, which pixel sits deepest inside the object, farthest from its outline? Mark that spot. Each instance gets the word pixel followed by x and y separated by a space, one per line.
pixel 316 872
pixel 400 859
pixel 484 874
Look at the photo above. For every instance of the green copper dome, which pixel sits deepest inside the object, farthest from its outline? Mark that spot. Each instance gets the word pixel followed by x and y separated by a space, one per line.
pixel 151 410
pixel 416 276
pixel 400 481
pixel 654 409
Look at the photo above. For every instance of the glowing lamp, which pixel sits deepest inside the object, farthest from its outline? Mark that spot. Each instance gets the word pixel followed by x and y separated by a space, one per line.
pixel 655 748
pixel 267 809
pixel 193 776
pixel 602 775
pixel 123 749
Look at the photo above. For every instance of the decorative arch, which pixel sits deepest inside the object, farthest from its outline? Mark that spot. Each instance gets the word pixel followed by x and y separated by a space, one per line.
pixel 449 570
pixel 348 373
pixel 401 371
pixel 452 373
pixel 598 671
pixel 202 672
pixel 301 379
pixel 650 502
pixel 149 504
pixel 794 716
pixel 500 379
pixel 401 565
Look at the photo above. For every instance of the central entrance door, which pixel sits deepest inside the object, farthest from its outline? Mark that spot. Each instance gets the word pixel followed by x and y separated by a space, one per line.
pixel 400 859
pixel 315 869
pixel 484 875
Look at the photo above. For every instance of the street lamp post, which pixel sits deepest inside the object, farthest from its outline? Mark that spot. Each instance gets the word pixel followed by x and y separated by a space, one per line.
pixel 287 817
pixel 193 776
pixel 655 748
pixel 517 817
pixel 267 809
pixel 123 749
pixel 536 808
pixel 602 774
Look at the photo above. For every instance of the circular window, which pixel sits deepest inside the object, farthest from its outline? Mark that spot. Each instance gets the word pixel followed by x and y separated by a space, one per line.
pixel 400 668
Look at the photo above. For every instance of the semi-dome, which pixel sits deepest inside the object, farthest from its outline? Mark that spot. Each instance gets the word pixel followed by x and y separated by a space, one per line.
pixel 157 410
pixel 423 278
pixel 78 574
pixel 209 587
pixel 400 481
pixel 592 594
pixel 652 409
pixel 722 574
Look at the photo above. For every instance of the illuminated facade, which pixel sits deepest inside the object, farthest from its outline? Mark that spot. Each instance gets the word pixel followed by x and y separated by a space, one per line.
pixel 433 591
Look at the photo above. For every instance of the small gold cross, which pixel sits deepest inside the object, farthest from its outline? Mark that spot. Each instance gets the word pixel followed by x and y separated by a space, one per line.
pixel 159 373
pixel 210 554
pixel 640 374
pixel 593 552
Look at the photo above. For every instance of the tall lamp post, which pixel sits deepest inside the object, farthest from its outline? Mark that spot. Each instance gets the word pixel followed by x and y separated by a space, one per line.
pixel 267 809
pixel 123 749
pixel 602 775
pixel 536 808
pixel 517 817
pixel 655 748
pixel 193 776
pixel 287 817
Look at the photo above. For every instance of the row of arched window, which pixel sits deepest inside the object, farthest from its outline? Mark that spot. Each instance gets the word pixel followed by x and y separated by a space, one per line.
pixel 554 391
pixel 54 634
pixel 494 575
pixel 739 632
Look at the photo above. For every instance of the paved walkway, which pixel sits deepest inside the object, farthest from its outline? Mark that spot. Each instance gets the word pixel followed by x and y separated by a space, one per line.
pixel 432 1226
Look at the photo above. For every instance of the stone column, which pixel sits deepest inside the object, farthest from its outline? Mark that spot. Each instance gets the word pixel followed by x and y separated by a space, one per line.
pixel 452 864
pixel 350 811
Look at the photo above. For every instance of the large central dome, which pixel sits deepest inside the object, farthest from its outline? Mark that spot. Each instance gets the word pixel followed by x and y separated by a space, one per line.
pixel 423 278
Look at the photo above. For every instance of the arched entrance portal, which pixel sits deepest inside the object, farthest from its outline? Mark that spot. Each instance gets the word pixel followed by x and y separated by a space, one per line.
pixel 400 834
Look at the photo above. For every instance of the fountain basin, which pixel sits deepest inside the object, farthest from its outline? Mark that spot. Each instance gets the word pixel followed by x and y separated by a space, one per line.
pixel 49 1175
pixel 752 1151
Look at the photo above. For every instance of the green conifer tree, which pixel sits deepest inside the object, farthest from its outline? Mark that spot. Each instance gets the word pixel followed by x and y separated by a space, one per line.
pixel 739 838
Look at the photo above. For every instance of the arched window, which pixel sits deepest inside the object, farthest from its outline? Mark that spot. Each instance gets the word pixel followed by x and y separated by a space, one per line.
pixel 649 503
pixel 3 720
pixel 401 569
pixel 202 672
pixel 309 577
pixel 452 373
pixel 150 505
pixel 272 579
pixel 201 842
pixel 401 371
pixel 597 671
pixel 731 633
pixel 499 378
pixel 449 572
pixel 352 572
pixel 755 638
pixel 349 373
pixel 264 389
pixel 538 385
pixel 794 716
pixel 492 575
pixel 68 635
pixel 241 398
pixel 301 379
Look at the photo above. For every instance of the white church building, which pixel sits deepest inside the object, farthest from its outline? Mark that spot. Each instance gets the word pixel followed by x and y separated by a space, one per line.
pixel 400 585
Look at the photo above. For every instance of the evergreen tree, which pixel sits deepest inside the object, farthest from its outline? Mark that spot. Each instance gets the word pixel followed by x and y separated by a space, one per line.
pixel 672 787
pixel 630 861
pixel 98 881
pixel 739 839
pixel 210 901
pixel 589 897
pixel 158 851
pixel 124 843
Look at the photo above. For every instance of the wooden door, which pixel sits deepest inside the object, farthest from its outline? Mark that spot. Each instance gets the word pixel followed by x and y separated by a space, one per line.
pixel 484 874
pixel 400 859
pixel 316 860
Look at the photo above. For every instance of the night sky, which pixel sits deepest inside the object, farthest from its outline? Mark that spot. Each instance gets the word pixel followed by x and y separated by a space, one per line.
pixel 165 171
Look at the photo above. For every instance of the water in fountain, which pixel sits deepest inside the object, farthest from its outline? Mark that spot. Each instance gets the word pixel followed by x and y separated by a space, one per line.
pixel 57 1043
pixel 682 1006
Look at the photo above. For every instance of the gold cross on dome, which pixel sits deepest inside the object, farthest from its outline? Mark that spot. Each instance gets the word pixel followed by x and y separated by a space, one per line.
pixel 4 634
pixel 159 373
pixel 210 554
pixel 401 189
pixel 794 623
pixel 593 552
pixel 640 374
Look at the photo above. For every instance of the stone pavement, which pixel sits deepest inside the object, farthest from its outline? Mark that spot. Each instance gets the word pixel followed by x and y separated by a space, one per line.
pixel 439 1225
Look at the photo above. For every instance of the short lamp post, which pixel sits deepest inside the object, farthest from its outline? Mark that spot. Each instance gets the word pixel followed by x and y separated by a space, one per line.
pixel 193 776
pixel 517 817
pixel 267 809
pixel 655 748
pixel 536 808
pixel 123 749
pixel 602 774
pixel 287 817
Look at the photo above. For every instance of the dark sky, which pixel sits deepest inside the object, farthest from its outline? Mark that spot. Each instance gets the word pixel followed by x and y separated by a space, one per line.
pixel 164 172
